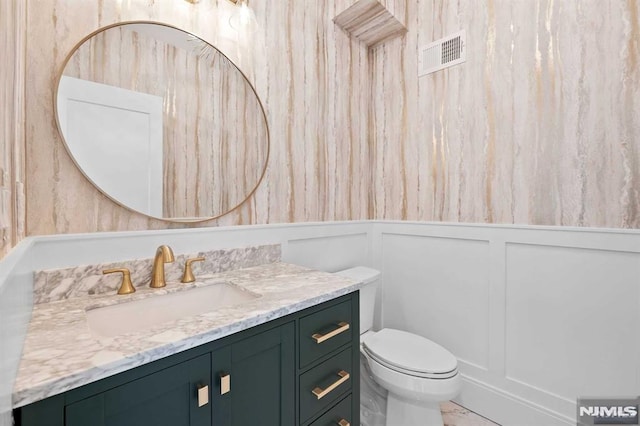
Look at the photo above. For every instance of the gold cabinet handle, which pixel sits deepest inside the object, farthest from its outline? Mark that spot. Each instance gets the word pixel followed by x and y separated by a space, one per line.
pixel 187 276
pixel 126 286
pixel 321 393
pixel 203 396
pixel 225 383
pixel 343 422
pixel 342 327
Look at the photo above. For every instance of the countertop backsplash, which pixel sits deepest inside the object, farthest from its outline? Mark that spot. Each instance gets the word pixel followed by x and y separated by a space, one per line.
pixel 59 284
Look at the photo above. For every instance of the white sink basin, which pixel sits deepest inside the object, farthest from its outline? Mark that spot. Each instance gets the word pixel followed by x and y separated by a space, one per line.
pixel 109 321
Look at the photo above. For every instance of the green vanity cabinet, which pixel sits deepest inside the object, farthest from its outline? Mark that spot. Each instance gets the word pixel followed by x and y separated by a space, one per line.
pixel 329 364
pixel 277 373
pixel 166 398
pixel 254 380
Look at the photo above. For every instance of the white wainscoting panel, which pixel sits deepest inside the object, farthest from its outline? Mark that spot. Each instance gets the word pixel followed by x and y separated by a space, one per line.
pixel 537 316
pixel 439 288
pixel 60 251
pixel 329 253
pixel 572 318
pixel 16 298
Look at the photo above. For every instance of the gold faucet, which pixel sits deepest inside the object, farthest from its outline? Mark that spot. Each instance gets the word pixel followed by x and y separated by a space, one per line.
pixel 126 286
pixel 164 254
pixel 187 276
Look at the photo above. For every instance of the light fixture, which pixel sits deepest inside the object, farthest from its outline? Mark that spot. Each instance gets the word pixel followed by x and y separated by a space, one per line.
pixel 243 17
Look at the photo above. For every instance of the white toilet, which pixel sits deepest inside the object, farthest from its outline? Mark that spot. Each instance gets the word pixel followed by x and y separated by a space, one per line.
pixel 417 373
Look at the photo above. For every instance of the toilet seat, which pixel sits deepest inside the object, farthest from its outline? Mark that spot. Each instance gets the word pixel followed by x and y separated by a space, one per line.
pixel 413 388
pixel 410 354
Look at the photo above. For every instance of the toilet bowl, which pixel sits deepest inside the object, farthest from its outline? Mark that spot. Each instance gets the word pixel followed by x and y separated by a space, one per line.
pixel 373 397
pixel 417 373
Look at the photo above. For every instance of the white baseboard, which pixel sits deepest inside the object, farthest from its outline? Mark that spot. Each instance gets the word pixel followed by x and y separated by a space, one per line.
pixel 504 408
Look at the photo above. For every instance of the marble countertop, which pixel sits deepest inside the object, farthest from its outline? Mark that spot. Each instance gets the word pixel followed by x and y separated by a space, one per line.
pixel 61 352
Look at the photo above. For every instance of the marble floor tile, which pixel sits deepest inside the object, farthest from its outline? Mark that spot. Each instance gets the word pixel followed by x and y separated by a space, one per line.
pixel 456 415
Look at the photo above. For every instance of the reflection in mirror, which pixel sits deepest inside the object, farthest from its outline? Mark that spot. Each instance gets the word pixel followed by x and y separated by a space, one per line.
pixel 162 122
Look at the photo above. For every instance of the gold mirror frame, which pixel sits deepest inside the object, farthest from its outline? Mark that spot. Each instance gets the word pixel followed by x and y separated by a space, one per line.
pixel 68 149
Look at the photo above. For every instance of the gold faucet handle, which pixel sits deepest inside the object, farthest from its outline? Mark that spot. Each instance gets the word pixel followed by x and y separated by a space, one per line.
pixel 126 286
pixel 188 277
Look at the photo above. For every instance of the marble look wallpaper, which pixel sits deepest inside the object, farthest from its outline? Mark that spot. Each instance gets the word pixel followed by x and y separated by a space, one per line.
pixel 312 78
pixel 12 49
pixel 214 132
pixel 540 126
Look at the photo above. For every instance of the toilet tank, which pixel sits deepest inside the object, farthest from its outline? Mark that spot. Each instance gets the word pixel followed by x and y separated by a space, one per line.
pixel 370 277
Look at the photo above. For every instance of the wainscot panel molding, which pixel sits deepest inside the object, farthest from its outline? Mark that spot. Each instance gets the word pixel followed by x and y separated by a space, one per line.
pixel 540 126
pixel 537 316
pixel 312 78
pixel 16 302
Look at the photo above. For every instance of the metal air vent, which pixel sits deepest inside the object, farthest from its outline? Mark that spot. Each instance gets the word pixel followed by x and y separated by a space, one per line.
pixel 443 53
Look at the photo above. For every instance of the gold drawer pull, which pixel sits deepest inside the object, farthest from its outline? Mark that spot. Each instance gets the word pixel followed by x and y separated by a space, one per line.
pixel 321 393
pixel 343 422
pixel 203 396
pixel 225 383
pixel 342 327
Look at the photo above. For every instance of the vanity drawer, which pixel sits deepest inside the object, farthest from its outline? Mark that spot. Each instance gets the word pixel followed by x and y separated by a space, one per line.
pixel 325 331
pixel 340 415
pixel 325 384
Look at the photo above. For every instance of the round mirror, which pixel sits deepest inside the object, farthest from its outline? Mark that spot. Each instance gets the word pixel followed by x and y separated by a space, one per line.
pixel 162 122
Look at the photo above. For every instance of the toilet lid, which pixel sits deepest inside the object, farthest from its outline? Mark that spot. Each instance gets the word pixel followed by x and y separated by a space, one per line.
pixel 410 352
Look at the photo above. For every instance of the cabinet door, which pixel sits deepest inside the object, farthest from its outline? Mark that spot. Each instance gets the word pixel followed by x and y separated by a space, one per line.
pixel 261 375
pixel 166 398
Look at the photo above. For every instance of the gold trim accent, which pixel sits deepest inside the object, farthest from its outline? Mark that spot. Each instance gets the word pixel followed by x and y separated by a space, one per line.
pixel 321 393
pixel 68 149
pixel 225 383
pixel 343 422
pixel 187 276
pixel 319 338
pixel 126 286
pixel 203 396
pixel 164 254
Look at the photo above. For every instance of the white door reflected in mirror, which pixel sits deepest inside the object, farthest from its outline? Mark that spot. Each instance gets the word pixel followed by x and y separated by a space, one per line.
pixel 124 157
